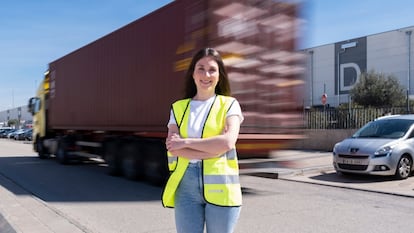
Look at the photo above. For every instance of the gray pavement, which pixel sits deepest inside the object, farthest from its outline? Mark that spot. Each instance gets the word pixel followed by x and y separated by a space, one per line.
pixel 290 165
pixel 25 213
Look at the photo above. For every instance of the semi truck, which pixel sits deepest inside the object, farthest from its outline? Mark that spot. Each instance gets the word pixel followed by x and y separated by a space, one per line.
pixel 111 98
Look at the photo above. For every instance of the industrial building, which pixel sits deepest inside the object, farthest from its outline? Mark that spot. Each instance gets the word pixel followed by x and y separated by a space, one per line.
pixel 333 69
pixel 19 113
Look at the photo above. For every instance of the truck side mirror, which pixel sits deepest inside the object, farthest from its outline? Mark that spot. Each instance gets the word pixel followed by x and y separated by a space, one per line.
pixel 30 105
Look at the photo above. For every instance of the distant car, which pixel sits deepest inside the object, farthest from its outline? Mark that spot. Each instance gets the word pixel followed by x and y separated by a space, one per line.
pixel 22 134
pixel 28 135
pixel 384 146
pixel 4 132
pixel 11 133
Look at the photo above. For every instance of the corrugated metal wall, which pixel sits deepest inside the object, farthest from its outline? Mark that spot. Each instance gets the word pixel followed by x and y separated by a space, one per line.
pixel 125 80
pixel 129 78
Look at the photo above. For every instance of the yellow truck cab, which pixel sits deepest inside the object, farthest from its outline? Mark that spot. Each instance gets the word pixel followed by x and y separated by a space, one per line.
pixel 37 107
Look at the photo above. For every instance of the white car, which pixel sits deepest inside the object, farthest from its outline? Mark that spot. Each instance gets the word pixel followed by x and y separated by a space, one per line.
pixel 384 146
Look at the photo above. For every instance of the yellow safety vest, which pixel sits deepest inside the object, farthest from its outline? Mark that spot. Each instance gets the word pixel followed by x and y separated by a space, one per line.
pixel 220 174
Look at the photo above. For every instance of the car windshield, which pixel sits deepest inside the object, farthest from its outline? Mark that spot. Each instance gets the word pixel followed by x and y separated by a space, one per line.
pixel 387 128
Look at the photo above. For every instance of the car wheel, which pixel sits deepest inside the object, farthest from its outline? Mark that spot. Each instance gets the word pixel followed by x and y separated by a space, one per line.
pixel 403 167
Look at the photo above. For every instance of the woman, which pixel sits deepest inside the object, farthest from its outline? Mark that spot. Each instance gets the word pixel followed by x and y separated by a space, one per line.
pixel 204 185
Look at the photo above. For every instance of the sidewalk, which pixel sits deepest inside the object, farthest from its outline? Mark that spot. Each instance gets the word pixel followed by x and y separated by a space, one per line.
pixel 5 226
pixel 26 213
pixel 316 167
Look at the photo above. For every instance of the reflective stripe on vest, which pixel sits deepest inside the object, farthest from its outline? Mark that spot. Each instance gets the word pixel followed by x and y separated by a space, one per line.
pixel 172 162
pixel 221 179
pixel 220 174
pixel 179 109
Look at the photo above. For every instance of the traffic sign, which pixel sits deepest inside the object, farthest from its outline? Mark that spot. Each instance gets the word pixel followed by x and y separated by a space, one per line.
pixel 324 98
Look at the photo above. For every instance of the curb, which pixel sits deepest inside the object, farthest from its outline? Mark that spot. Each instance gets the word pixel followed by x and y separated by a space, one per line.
pixel 5 227
pixel 279 173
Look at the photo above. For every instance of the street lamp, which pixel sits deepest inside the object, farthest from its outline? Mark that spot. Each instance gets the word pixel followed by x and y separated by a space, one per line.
pixel 408 33
pixel 19 116
pixel 343 49
pixel 311 77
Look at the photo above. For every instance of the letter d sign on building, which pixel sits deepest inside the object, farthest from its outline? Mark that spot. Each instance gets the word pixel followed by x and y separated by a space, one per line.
pixel 350 62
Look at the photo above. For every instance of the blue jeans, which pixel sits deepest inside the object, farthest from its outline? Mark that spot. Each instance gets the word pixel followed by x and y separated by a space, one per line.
pixel 192 211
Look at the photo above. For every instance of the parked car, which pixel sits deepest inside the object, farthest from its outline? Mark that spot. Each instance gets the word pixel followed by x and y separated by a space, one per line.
pixel 22 134
pixel 12 134
pixel 4 132
pixel 28 135
pixel 384 146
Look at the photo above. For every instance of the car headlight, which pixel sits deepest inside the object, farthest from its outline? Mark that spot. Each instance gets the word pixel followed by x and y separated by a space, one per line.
pixel 384 151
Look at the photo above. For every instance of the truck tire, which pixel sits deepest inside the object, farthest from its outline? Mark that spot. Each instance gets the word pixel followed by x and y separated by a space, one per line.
pixel 111 157
pixel 42 151
pixel 62 153
pixel 156 164
pixel 132 167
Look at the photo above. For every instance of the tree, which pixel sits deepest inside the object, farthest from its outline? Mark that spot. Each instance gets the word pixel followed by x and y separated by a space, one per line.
pixel 12 122
pixel 378 90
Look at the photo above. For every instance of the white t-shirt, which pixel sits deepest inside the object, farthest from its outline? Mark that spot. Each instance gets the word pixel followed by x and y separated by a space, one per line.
pixel 198 114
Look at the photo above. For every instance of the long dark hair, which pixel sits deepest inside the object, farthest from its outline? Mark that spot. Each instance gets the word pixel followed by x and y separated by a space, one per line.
pixel 223 86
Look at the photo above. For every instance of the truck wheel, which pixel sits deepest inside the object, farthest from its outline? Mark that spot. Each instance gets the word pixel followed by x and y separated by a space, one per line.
pixel 111 158
pixel 42 151
pixel 131 161
pixel 156 164
pixel 61 153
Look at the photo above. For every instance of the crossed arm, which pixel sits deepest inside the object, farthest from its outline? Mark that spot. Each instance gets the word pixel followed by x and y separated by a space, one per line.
pixel 203 148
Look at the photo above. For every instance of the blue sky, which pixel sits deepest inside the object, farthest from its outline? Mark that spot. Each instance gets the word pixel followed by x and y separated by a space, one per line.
pixel 331 21
pixel 34 33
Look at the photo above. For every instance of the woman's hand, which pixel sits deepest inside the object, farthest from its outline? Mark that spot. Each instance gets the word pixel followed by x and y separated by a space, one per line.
pixel 175 142
pixel 177 146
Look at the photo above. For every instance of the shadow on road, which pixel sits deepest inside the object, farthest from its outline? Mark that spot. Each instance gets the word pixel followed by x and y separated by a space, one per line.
pixel 80 182
pixel 351 178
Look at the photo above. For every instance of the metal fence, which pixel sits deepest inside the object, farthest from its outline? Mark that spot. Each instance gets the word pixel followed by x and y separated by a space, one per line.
pixel 332 118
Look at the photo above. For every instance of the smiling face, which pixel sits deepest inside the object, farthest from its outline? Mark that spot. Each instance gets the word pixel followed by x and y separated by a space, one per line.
pixel 206 76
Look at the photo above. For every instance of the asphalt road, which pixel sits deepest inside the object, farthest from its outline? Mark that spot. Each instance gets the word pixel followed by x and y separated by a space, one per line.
pixel 41 196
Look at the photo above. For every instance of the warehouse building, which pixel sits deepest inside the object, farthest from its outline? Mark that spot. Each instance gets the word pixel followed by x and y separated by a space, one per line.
pixel 333 69
pixel 20 114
